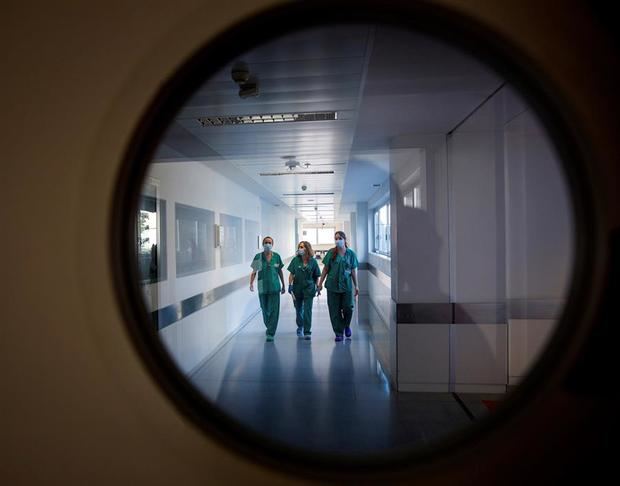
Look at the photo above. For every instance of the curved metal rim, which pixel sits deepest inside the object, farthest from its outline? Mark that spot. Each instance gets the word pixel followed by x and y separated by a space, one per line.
pixel 440 23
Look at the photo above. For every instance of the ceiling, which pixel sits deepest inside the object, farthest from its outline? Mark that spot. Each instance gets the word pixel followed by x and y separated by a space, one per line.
pixel 382 83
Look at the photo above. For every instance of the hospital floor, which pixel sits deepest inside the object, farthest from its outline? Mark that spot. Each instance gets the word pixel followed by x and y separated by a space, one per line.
pixel 323 395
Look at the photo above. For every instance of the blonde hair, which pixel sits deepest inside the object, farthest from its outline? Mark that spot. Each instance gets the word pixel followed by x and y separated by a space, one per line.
pixel 307 246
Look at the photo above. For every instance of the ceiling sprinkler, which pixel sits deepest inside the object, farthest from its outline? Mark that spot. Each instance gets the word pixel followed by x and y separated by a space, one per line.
pixel 291 163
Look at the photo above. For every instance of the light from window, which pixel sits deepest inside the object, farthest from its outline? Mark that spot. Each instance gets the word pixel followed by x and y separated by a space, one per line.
pixel 326 236
pixel 417 197
pixel 151 242
pixel 309 235
pixel 382 230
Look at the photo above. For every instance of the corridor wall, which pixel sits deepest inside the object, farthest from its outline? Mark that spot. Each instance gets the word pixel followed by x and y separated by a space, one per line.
pixel 193 338
pixel 479 270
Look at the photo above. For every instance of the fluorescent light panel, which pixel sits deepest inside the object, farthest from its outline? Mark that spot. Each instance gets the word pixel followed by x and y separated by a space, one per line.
pixel 291 172
pixel 308 194
pixel 314 116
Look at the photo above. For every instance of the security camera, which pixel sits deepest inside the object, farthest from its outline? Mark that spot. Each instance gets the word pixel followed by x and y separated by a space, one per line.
pixel 304 187
pixel 240 73
pixel 248 90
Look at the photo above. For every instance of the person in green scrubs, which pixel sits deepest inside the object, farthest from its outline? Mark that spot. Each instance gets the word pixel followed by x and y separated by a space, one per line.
pixel 302 284
pixel 341 272
pixel 268 265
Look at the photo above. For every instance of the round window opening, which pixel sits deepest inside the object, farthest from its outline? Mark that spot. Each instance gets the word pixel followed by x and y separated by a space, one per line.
pixel 351 240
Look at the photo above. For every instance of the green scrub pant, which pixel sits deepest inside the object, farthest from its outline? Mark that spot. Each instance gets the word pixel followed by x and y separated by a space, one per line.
pixel 303 308
pixel 340 305
pixel 270 305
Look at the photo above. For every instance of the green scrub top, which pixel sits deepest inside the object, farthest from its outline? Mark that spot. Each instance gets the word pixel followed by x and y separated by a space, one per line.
pixel 268 272
pixel 339 270
pixel 304 277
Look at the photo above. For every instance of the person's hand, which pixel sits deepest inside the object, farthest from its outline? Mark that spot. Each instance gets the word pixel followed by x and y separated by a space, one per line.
pixel 357 291
pixel 290 289
pixel 283 291
pixel 251 287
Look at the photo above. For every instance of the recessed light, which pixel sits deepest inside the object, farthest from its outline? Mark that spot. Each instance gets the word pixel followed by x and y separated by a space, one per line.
pixel 313 116
pixel 311 172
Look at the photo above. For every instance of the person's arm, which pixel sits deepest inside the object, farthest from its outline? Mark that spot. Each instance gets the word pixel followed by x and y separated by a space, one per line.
pixel 354 278
pixel 291 272
pixel 255 267
pixel 316 274
pixel 323 274
pixel 281 274
pixel 354 273
pixel 291 277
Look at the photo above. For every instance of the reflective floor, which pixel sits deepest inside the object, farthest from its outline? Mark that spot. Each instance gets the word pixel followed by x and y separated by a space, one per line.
pixel 324 395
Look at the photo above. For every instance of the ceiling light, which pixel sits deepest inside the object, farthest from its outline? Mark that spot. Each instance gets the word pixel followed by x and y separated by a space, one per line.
pixel 308 194
pixel 312 172
pixel 314 116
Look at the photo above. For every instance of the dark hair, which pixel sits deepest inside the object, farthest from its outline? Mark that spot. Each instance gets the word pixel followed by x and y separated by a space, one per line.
pixel 269 238
pixel 335 249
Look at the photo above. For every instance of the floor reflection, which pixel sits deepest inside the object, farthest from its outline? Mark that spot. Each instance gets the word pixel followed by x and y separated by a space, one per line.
pixel 319 394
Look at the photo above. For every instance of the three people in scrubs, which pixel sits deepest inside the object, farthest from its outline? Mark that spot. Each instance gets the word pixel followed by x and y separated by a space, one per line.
pixel 303 278
pixel 268 265
pixel 341 272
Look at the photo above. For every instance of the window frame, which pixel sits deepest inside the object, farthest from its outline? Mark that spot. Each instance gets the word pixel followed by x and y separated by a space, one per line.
pixel 376 230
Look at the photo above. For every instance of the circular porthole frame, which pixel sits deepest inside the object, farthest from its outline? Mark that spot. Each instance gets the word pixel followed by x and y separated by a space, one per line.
pixel 446 25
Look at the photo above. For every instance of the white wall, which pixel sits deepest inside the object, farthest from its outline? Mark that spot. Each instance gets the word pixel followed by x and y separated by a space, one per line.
pixel 381 306
pixel 477 219
pixel 539 233
pixel 507 238
pixel 420 237
pixel 193 338
pixel 279 223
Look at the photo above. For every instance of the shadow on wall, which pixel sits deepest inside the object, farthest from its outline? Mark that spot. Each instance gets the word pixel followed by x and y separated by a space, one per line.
pixel 418 256
pixel 469 354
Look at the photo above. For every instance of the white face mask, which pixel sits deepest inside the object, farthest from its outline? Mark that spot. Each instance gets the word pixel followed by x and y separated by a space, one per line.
pixel 267 246
pixel 301 252
pixel 340 243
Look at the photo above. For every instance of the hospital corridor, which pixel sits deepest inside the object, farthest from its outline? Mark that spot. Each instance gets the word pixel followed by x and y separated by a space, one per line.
pixel 326 396
pixel 423 186
pixel 309 242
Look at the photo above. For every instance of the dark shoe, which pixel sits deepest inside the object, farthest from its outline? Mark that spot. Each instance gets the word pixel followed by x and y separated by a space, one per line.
pixel 347 332
pixel 307 337
pixel 338 339
pixel 269 338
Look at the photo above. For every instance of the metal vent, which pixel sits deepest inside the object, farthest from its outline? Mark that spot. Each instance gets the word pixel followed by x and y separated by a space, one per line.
pixel 308 194
pixel 214 121
pixel 312 172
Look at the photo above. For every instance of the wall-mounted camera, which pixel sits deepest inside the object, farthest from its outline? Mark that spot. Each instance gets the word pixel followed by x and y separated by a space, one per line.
pixel 248 85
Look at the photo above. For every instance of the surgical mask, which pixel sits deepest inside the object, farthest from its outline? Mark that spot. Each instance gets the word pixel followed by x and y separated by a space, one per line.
pixel 301 252
pixel 339 243
pixel 267 246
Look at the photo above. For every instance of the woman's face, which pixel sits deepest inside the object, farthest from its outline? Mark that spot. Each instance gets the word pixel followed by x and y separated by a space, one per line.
pixel 301 247
pixel 268 241
pixel 338 237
